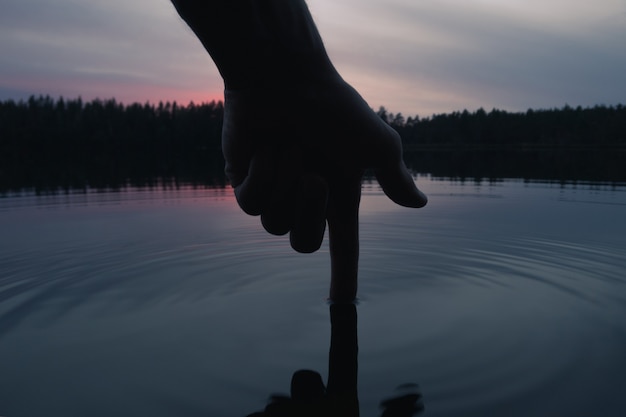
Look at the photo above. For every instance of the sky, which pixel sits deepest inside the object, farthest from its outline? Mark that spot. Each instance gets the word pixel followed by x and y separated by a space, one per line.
pixel 417 57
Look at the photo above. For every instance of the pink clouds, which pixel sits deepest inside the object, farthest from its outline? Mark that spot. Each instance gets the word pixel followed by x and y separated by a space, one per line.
pixel 123 90
pixel 412 57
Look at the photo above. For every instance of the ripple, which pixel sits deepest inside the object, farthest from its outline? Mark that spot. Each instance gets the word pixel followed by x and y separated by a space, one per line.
pixel 490 316
pixel 493 317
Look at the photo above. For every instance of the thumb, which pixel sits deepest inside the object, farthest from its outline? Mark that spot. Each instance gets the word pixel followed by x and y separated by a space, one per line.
pixel 398 184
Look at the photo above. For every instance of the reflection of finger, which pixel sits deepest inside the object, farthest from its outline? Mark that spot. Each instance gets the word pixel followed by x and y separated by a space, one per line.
pixel 398 185
pixel 307 387
pixel 342 358
pixel 253 193
pixel 343 231
pixel 309 223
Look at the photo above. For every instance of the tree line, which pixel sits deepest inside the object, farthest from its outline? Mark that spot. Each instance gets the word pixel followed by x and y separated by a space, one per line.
pixel 46 144
pixel 595 127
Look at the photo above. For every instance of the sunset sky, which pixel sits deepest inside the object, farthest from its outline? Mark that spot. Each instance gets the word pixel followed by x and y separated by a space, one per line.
pixel 412 56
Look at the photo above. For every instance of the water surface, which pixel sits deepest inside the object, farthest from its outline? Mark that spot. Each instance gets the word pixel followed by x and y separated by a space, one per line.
pixel 498 298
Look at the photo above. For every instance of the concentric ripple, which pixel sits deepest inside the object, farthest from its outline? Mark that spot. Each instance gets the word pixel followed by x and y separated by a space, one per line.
pixel 497 299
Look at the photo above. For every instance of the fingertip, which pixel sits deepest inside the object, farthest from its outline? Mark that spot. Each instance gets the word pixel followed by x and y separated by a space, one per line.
pixel 277 216
pixel 398 184
pixel 250 199
pixel 309 223
pixel 253 192
pixel 417 200
pixel 304 246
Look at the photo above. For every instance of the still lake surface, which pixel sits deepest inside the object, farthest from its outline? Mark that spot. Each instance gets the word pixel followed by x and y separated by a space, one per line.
pixel 498 298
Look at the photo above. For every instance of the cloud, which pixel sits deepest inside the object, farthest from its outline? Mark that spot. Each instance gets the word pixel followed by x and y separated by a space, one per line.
pixel 424 57
pixel 103 47
pixel 512 54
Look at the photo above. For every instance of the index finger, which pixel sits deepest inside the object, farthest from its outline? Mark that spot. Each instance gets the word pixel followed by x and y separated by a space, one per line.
pixel 343 232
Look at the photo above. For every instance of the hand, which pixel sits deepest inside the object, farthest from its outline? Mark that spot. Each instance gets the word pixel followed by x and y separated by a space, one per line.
pixel 296 138
pixel 296 156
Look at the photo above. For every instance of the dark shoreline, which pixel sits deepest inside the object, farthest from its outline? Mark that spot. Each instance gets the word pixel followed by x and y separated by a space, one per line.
pixel 472 164
pixel 71 144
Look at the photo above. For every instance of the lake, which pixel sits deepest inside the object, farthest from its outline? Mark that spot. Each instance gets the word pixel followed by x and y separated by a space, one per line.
pixel 499 298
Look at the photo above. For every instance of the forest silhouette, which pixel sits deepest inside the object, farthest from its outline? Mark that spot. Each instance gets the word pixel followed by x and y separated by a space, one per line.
pixel 50 145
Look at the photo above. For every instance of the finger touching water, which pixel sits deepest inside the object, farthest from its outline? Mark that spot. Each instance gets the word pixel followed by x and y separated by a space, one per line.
pixel 343 232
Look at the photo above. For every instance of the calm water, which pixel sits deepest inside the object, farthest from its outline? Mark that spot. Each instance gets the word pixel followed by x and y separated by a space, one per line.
pixel 504 298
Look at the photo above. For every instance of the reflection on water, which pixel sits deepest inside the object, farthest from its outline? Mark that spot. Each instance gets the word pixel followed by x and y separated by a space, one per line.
pixel 498 298
pixel 308 395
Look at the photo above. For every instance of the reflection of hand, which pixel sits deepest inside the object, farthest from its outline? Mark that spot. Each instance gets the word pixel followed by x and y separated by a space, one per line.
pixel 296 137
pixel 339 398
pixel 308 399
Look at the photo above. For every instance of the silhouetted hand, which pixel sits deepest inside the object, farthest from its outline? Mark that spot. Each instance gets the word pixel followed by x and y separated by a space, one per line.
pixel 296 138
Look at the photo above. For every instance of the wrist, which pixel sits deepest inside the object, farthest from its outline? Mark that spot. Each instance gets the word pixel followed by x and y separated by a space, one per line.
pixel 259 43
